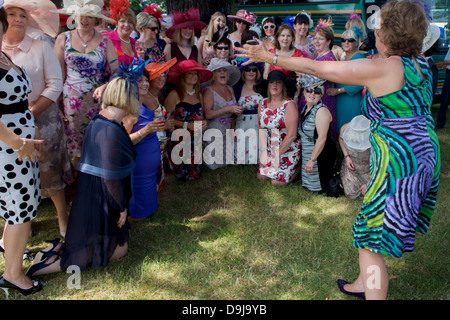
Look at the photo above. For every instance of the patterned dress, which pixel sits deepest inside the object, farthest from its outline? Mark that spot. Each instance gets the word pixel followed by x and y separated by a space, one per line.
pixel 218 154
pixel 405 166
pixel 182 169
pixel 247 141
pixel 318 180
pixel 20 192
pixel 273 120
pixel 85 72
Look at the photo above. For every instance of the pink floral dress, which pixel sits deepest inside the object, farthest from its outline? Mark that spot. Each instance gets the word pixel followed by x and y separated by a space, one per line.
pixel 273 120
pixel 85 72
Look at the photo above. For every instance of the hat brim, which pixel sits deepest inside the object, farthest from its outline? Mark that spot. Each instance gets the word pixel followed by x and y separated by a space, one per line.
pixel 87 14
pixel 235 18
pixel 198 26
pixel 234 75
pixel 205 75
pixel 156 69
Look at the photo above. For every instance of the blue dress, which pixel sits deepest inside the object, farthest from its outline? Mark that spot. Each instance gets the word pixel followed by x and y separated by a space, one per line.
pixel 145 194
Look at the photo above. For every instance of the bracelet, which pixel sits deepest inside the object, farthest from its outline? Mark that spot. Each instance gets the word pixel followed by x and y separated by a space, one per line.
pixel 21 148
pixel 275 59
pixel 347 156
pixel 339 90
pixel 185 124
pixel 140 134
pixel 311 160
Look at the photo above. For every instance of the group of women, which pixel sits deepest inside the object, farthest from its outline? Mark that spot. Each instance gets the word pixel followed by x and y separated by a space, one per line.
pixel 289 99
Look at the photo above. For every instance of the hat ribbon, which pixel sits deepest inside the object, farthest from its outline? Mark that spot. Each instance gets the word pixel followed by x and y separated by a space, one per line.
pixel 191 15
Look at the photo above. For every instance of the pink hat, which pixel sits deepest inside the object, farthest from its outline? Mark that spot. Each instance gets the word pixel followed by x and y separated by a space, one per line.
pixel 244 16
pixel 190 18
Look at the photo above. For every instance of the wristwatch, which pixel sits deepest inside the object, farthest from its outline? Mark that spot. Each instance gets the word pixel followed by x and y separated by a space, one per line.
pixel 275 59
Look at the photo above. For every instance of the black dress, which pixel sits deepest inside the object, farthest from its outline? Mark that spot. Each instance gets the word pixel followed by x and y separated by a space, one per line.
pixel 103 191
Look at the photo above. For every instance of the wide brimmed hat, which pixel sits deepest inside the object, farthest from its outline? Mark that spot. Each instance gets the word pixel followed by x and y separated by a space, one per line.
pixel 290 83
pixel 433 34
pixel 155 69
pixel 84 8
pixel 41 14
pixel 244 16
pixel 356 135
pixel 188 65
pixel 233 73
pixel 308 80
pixel 190 18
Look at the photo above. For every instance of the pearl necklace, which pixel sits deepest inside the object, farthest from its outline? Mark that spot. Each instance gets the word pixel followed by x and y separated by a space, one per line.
pixel 127 42
pixel 191 93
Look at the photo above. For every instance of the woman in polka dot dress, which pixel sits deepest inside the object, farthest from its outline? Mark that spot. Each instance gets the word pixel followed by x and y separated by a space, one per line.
pixel 19 173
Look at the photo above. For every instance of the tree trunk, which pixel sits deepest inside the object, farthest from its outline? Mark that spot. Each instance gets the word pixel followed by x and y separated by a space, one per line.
pixel 206 7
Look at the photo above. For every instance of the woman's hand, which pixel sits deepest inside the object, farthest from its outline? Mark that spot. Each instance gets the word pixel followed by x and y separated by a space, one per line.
pixel 254 53
pixel 236 109
pixel 363 189
pixel 122 219
pixel 29 151
pixel 97 95
pixel 155 126
pixel 169 125
pixel 309 166
pixel 349 163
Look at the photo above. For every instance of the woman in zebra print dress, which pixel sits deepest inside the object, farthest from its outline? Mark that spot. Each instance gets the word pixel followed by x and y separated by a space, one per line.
pixel 405 155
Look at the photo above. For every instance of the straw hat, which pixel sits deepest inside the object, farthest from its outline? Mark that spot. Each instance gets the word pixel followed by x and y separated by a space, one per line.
pixel 433 34
pixel 244 16
pixel 356 135
pixel 233 73
pixel 155 69
pixel 41 14
pixel 85 8
pixel 188 65
pixel 190 18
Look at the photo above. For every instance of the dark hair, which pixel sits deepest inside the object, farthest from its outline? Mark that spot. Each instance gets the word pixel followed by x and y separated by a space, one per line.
pixel 248 35
pixel 223 40
pixel 265 20
pixel 3 19
pixel 301 19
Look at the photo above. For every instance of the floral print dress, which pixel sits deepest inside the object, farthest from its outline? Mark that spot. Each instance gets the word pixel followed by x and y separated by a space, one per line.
pixel 273 120
pixel 85 72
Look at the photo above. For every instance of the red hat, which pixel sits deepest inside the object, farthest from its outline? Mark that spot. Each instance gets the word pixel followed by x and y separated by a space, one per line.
pixel 190 18
pixel 188 65
pixel 244 16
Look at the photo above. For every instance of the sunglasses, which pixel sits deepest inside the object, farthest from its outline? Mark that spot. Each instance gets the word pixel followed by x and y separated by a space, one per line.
pixel 153 28
pixel 250 69
pixel 351 40
pixel 223 48
pixel 272 26
pixel 316 90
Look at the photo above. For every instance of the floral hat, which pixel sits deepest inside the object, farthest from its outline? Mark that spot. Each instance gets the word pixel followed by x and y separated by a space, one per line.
pixel 188 65
pixel 356 135
pixel 41 14
pixel 244 16
pixel 155 69
pixel 190 18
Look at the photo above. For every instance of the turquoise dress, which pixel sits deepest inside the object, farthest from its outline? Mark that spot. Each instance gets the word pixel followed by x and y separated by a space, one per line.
pixel 404 165
pixel 348 105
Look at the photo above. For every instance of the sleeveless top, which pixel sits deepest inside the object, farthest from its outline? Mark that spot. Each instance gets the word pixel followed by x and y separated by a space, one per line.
pixel 176 53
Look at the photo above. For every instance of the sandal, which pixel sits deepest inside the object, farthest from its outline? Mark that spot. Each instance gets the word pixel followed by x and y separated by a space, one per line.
pixel 44 255
pixel 42 264
pixel 341 283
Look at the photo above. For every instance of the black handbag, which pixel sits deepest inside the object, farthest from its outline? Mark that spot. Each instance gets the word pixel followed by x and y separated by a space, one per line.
pixel 335 187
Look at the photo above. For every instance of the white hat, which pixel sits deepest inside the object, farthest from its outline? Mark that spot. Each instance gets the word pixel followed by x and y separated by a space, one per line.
pixel 433 34
pixel 88 8
pixel 233 73
pixel 356 135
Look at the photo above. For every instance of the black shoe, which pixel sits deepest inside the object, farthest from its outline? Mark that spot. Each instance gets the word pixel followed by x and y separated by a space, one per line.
pixel 6 285
pixel 341 283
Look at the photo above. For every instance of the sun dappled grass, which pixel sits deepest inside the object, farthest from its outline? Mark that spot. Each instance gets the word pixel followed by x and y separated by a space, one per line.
pixel 231 236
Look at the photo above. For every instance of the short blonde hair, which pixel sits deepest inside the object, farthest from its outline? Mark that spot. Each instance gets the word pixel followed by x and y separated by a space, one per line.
pixel 144 20
pixel 122 93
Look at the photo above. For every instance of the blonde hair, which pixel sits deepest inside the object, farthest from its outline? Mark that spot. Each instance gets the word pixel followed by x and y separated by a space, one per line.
pixel 144 20
pixel 356 22
pixel 122 93
pixel 128 15
pixel 177 38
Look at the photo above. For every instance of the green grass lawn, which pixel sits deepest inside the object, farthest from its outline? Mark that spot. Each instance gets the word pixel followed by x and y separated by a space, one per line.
pixel 230 236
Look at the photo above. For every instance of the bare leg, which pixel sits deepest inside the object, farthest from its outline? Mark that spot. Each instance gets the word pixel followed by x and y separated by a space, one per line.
pixel 15 238
pixel 59 200
pixel 120 251
pixel 374 275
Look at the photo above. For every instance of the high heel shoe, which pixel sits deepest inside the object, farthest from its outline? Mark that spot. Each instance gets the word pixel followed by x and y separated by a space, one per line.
pixel 5 285
pixel 42 264
pixel 341 283
pixel 44 255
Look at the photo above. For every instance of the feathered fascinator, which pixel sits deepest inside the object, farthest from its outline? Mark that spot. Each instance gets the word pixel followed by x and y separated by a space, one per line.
pixel 289 20
pixel 323 23
pixel 118 7
pixel 154 10
pixel 354 16
pixel 357 32
pixel 135 68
